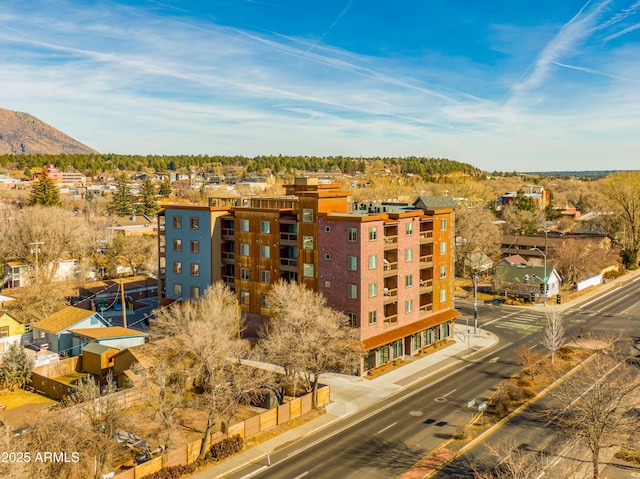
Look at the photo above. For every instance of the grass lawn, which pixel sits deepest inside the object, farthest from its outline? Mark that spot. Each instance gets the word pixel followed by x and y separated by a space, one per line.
pixel 70 378
pixel 20 397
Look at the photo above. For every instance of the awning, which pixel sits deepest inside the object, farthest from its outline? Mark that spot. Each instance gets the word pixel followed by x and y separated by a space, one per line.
pixel 409 329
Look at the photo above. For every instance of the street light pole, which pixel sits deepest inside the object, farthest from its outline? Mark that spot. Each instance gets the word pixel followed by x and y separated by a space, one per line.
pixel 475 303
pixel 545 279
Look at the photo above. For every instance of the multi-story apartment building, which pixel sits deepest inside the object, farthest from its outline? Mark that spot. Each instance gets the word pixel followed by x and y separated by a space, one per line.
pixel 387 266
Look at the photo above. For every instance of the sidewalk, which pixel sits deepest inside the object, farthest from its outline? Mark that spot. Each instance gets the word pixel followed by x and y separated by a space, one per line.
pixel 350 394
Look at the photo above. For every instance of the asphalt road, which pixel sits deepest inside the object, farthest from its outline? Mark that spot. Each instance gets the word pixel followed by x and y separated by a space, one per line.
pixel 387 439
pixel 616 314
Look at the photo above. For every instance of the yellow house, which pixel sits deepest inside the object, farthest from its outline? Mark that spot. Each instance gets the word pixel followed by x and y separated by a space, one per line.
pixel 10 326
pixel 11 330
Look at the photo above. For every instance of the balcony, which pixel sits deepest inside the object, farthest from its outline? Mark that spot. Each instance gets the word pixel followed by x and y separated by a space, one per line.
pixel 289 239
pixel 426 237
pixel 426 285
pixel 228 234
pixel 228 257
pixel 390 242
pixel 289 264
pixel 390 269
pixel 426 309
pixel 426 261
pixel 229 281
pixel 390 295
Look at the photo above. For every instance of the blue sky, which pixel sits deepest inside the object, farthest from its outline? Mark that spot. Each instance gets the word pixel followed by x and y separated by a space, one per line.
pixel 503 85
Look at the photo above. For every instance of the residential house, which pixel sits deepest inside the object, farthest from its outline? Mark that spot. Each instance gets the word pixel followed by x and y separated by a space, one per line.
pixel 526 281
pixel 135 225
pixel 116 337
pixel 55 330
pixel 388 266
pixel 11 331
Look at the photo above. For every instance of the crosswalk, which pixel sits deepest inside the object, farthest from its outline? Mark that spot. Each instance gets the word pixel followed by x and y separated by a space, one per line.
pixel 524 322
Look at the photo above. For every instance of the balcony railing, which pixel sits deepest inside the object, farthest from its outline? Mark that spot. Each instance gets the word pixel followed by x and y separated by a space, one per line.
pixel 426 236
pixel 228 257
pixel 426 285
pixel 289 239
pixel 289 264
pixel 390 294
pixel 390 242
pixel 426 308
pixel 426 261
pixel 228 233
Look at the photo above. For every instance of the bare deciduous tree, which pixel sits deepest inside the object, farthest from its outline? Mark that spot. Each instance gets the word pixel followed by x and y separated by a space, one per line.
pixel 207 333
pixel 529 359
pixel 513 462
pixel 594 401
pixel 553 338
pixel 306 337
pixel 476 234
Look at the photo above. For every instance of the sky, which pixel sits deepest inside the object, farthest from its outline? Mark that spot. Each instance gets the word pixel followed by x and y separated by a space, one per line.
pixel 503 85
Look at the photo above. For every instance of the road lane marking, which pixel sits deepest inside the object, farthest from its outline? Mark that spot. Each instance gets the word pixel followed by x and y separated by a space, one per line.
pixel 388 427
pixel 450 392
pixel 301 475
pixel 257 471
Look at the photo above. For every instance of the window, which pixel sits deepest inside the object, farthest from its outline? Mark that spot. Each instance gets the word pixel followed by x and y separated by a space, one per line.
pixel 195 292
pixel 443 224
pixel 4 331
pixel 443 247
pixel 327 284
pixel 352 263
pixel 327 229
pixel 265 251
pixel 408 228
pixel 244 297
pixel 194 222
pixel 373 290
pixel 443 271
pixel 244 274
pixel 408 280
pixel 373 317
pixel 352 291
pixel 443 295
pixel 352 235
pixel 177 245
pixel 373 233
pixel 264 301
pixel 408 255
pixel 307 242
pixel 244 226
pixel 353 319
pixel 408 306
pixel 177 267
pixel 308 270
pixel 195 246
pixel 244 249
pixel 327 256
pixel 177 222
pixel 265 227
pixel 195 269
pixel 177 289
pixel 373 261
pixel 265 276
pixel 307 215
pixel 416 342
pixel 445 330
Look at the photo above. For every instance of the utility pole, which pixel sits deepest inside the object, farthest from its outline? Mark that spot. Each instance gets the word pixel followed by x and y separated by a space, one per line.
pixel 35 249
pixel 124 306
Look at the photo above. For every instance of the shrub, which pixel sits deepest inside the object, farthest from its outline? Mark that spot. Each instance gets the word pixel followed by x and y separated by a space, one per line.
pixel 462 433
pixel 501 403
pixel 226 448
pixel 173 472
pixel 628 456
pixel 514 392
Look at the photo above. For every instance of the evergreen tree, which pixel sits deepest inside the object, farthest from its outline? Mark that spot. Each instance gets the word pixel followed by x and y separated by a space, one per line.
pixel 44 192
pixel 16 367
pixel 148 204
pixel 122 199
pixel 165 187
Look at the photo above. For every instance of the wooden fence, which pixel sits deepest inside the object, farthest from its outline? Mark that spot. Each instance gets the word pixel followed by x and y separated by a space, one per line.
pixel 261 422
pixel 43 377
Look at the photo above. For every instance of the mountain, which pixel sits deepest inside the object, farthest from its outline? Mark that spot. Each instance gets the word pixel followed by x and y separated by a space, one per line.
pixel 23 134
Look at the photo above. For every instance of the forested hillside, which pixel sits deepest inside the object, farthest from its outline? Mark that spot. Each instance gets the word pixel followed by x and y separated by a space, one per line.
pixel 95 163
